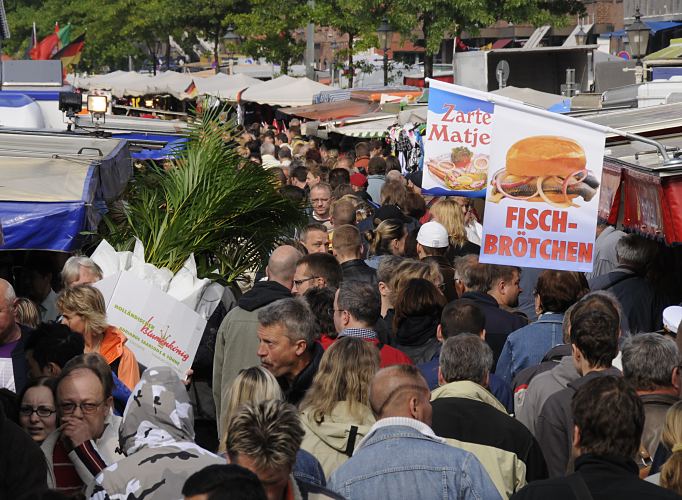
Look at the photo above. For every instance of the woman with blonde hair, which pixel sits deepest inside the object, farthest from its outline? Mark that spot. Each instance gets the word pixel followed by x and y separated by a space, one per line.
pixel 671 472
pixel 254 385
pixel 83 311
pixel 449 213
pixel 336 413
pixel 26 312
pixel 387 239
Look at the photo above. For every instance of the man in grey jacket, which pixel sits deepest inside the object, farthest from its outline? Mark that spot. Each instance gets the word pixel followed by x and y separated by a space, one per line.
pixel 237 342
pixel 594 342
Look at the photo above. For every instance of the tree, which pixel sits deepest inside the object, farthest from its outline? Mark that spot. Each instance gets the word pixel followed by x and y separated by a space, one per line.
pixel 270 27
pixel 442 18
pixel 350 17
pixel 152 22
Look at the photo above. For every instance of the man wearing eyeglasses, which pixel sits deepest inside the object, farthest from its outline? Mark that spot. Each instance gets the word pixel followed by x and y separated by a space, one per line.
pixel 316 270
pixel 87 439
pixel 321 203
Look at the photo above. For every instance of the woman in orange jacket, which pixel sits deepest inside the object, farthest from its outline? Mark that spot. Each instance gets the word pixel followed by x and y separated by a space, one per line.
pixel 83 311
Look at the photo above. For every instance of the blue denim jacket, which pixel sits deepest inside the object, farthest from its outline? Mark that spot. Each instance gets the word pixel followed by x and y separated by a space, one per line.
pixel 526 346
pixel 402 463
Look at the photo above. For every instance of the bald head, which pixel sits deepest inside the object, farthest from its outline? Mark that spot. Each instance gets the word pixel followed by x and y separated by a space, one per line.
pixel 7 292
pixel 282 265
pixel 400 391
pixel 9 329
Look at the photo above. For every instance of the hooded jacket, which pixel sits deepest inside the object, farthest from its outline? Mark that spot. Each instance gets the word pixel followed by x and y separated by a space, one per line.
pixel 528 402
pixel 157 437
pixel 333 440
pixel 416 337
pixel 236 345
pixel 22 465
pixel 466 411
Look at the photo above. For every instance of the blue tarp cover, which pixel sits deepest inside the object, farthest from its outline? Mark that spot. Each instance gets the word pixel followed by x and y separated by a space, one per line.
pixel 653 25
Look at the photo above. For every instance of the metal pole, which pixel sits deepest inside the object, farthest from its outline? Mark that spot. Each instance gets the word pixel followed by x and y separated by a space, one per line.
pixel 310 46
pixel 385 67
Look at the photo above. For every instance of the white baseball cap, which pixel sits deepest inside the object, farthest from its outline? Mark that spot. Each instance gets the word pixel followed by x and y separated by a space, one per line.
pixel 433 235
pixel 672 316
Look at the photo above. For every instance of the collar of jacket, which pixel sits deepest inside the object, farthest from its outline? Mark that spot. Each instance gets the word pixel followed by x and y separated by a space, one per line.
pixel 468 390
pixel 610 371
pixel 303 380
pixel 415 426
pixel 481 297
pixel 658 398
pixel 550 317
pixel 613 464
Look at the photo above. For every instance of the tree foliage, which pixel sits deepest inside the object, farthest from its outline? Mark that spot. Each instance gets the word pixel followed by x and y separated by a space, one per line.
pixel 227 214
pixel 439 19
pixel 269 27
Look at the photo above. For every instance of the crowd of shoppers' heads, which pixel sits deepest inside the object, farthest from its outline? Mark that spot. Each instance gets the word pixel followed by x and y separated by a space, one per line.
pixel 375 353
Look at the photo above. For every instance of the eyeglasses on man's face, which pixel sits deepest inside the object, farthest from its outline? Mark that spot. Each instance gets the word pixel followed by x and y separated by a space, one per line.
pixel 86 408
pixel 300 282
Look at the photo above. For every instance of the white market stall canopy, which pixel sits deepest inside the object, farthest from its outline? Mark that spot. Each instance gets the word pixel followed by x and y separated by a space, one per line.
pixel 130 83
pixel 284 91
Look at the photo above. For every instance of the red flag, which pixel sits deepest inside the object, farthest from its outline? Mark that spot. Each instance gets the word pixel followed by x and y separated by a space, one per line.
pixel 46 48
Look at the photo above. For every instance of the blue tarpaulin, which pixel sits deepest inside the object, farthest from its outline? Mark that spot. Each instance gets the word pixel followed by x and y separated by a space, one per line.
pixel 654 26
pixel 168 152
pixel 42 226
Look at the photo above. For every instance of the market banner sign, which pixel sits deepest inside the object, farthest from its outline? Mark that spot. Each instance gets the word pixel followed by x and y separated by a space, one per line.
pixel 541 173
pixel 160 329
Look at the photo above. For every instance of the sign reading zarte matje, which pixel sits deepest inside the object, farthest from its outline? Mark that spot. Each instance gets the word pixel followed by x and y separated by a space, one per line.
pixel 160 329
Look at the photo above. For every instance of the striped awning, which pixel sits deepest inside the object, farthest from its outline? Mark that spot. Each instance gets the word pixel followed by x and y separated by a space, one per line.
pixel 367 130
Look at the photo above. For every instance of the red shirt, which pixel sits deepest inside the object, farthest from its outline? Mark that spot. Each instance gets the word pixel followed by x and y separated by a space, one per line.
pixel 388 355
pixel 66 478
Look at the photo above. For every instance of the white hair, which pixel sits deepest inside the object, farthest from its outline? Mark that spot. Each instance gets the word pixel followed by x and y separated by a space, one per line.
pixel 72 268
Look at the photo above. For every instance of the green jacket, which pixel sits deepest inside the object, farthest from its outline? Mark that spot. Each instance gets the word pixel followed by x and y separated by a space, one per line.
pixel 333 440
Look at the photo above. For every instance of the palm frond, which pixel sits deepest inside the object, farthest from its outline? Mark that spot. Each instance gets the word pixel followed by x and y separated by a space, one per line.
pixel 228 214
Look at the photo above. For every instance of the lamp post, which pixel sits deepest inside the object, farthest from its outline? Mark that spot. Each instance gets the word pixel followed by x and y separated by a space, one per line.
pixel 385 33
pixel 334 46
pixel 230 38
pixel 581 36
pixel 638 39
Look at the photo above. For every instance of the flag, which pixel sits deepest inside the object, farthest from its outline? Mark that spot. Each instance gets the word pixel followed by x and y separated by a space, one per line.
pixel 71 54
pixel 191 90
pixel 46 48
pixel 64 35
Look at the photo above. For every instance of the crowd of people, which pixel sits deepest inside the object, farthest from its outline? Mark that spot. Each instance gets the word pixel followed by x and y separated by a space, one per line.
pixel 374 356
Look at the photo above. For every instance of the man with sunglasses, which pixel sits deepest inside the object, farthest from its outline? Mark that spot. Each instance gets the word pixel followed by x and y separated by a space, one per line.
pixel 86 441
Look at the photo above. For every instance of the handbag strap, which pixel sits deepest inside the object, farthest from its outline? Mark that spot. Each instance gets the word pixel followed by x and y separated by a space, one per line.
pixel 579 487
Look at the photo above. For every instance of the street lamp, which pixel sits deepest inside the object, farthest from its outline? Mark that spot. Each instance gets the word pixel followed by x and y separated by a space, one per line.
pixel 230 38
pixel 581 36
pixel 638 37
pixel 384 34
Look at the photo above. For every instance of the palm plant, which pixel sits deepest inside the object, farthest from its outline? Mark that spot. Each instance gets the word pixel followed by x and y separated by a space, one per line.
pixel 227 213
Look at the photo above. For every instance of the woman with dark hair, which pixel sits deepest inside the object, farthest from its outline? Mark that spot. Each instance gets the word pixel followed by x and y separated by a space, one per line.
pixel 554 293
pixel 418 307
pixel 321 301
pixel 38 408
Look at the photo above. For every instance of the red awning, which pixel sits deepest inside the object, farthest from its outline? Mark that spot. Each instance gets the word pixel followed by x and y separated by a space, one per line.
pixel 501 43
pixel 332 110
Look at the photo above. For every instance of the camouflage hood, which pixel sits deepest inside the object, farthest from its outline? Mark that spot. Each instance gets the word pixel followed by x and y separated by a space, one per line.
pixel 158 412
